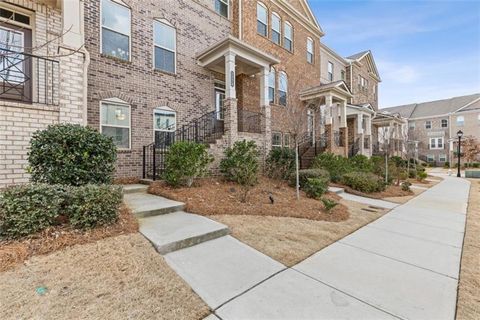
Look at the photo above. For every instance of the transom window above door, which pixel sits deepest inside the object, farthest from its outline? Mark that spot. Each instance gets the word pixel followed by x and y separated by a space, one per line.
pixel 115 24
pixel 164 46
pixel 165 120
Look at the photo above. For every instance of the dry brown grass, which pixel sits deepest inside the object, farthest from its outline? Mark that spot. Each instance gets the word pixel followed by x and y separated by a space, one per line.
pixel 291 240
pixel 116 278
pixel 217 197
pixel 15 251
pixel 468 305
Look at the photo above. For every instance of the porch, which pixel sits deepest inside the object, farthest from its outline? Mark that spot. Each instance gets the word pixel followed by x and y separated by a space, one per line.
pixel 359 123
pixel 390 135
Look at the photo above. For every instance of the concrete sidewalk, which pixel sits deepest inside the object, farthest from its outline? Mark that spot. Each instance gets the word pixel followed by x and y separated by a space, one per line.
pixel 404 265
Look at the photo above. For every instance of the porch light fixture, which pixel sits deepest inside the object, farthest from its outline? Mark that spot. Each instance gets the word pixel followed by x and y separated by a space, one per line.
pixel 459 135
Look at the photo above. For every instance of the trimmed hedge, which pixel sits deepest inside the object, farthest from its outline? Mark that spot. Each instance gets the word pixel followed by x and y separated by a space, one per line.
pixel 280 163
pixel 315 187
pixel 305 174
pixel 31 208
pixel 240 164
pixel 360 162
pixel 71 154
pixel 186 161
pixel 364 182
pixel 336 165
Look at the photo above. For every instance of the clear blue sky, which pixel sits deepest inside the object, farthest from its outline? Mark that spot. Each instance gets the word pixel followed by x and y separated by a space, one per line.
pixel 424 50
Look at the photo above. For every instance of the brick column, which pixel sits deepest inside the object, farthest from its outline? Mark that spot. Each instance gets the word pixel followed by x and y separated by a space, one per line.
pixel 267 128
pixel 329 134
pixel 344 137
pixel 230 121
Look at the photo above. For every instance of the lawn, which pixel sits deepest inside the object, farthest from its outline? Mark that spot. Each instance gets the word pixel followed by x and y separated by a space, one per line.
pixel 468 306
pixel 120 277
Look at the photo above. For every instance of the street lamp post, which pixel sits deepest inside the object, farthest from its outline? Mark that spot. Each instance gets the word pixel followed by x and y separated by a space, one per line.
pixel 459 135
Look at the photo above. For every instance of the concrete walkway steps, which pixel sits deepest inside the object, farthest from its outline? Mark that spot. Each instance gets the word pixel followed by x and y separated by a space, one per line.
pixel 147 205
pixel 134 188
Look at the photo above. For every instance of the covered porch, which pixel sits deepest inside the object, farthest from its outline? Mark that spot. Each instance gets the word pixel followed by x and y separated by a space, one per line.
pixel 359 123
pixel 234 59
pixel 389 134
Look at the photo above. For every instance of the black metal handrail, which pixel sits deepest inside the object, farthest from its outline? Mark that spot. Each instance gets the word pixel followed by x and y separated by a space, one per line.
pixel 249 121
pixel 205 129
pixel 28 78
pixel 354 147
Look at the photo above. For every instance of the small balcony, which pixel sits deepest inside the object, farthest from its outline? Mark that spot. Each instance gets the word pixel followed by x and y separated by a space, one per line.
pixel 27 78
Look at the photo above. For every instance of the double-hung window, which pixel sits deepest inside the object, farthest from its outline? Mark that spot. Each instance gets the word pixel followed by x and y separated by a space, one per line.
pixel 442 158
pixel 164 125
pixel 428 124
pixel 330 71
pixel 309 50
pixel 286 140
pixel 436 143
pixel 115 122
pixel 444 123
pixel 276 28
pixel 283 89
pixel 271 85
pixel 288 36
pixel 460 121
pixel 115 30
pixel 276 140
pixel 164 46
pixel 342 75
pixel 221 7
pixel 262 19
pixel 430 158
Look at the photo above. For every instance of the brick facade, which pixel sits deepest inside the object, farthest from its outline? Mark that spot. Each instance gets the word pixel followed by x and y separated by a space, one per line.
pixel 64 86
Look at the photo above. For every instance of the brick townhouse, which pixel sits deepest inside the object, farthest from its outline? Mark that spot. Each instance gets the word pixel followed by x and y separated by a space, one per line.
pixel 213 71
pixel 42 74
pixel 433 126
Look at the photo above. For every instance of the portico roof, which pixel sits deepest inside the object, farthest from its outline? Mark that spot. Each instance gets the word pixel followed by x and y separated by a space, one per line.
pixel 337 88
pixel 363 108
pixel 384 118
pixel 251 59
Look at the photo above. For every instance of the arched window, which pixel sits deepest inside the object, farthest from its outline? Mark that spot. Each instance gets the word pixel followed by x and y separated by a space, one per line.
pixel 165 47
pixel 310 51
pixel 271 85
pixel 288 36
pixel 262 19
pixel 283 89
pixel 276 28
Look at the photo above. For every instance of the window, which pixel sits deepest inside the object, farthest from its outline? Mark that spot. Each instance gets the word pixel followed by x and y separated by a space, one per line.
pixel 444 123
pixel 342 75
pixel 428 124
pixel 164 126
pixel 115 122
pixel 442 158
pixel 411 125
pixel 283 89
pixel 221 7
pixel 276 140
pixel 309 50
pixel 164 46
pixel 330 71
pixel 430 158
pixel 286 140
pixel 115 30
pixel 436 143
pixel 14 16
pixel 288 36
pixel 460 121
pixel 276 26
pixel 271 85
pixel 262 20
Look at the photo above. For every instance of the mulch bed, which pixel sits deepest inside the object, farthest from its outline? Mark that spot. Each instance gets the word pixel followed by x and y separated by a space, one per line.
pixel 218 197
pixel 390 191
pixel 52 239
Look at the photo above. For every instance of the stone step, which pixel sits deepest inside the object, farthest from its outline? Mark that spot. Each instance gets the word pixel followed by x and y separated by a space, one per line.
pixel 179 230
pixel 134 188
pixel 147 205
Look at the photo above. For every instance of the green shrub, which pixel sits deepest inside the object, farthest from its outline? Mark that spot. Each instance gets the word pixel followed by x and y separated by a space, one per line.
pixel 412 173
pixel 30 208
pixel 364 181
pixel 406 186
pixel 280 163
pixel 337 166
pixel 379 168
pixel 93 205
pixel 329 204
pixel 476 165
pixel 422 175
pixel 446 165
pixel 305 174
pixel 184 162
pixel 315 187
pixel 240 165
pixel 71 154
pixel 361 163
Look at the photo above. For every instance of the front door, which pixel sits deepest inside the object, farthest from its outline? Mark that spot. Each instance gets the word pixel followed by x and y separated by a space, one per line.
pixel 219 99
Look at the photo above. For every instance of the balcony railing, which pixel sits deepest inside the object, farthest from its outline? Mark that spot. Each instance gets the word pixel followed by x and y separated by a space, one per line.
pixel 249 121
pixel 28 78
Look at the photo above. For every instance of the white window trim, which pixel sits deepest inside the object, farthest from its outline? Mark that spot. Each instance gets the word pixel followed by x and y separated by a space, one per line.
pixel 286 23
pixel 289 140
pixel 25 12
pixel 228 8
pixel 442 156
pixel 128 35
pixel 441 123
pixel 281 140
pixel 119 102
pixel 279 28
pixel 430 158
pixel 435 145
pixel 430 123
pixel 168 24
pixel 163 109
pixel 263 22
pixel 328 72
pixel 280 86
pixel 460 123
pixel 310 40
pixel 272 70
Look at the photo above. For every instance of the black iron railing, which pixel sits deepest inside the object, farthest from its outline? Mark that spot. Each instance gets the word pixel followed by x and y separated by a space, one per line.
pixel 354 148
pixel 249 121
pixel 28 78
pixel 205 129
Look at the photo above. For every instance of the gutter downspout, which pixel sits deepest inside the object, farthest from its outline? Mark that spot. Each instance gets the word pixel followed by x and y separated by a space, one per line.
pixel 240 25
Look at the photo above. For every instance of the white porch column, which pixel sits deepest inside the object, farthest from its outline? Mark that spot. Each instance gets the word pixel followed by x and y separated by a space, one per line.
pixel 264 101
pixel 360 123
pixel 368 125
pixel 328 109
pixel 230 91
pixel 343 114
pixel 266 110
pixel 72 16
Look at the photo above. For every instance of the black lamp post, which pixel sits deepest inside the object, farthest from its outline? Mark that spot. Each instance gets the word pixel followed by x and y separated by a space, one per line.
pixel 459 135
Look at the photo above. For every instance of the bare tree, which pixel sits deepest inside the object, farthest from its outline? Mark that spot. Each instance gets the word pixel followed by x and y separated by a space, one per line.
pixel 471 148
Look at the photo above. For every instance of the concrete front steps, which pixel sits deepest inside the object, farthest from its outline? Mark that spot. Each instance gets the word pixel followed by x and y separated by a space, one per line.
pixel 166 225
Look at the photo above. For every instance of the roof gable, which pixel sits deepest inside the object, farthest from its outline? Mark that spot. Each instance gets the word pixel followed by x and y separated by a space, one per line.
pixel 302 8
pixel 366 57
